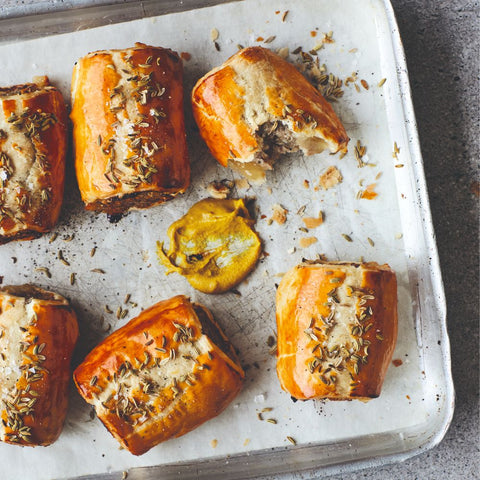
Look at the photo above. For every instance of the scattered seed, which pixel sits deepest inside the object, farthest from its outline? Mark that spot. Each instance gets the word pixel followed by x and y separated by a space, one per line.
pixel 44 270
pixel 217 46
pixel 291 440
pixel 284 16
pixel 97 270
pixel 271 420
pixel 371 242
pixel 127 298
pixel 72 278
pixel 301 210
pixel 381 82
pixel 53 238
pixel 214 34
pixel 270 39
pixel 92 251
pixel 364 84
pixel 348 238
pixel 62 259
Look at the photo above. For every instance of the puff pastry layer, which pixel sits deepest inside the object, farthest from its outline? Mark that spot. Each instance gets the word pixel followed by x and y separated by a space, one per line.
pixel 337 329
pixel 128 128
pixel 33 143
pixel 38 332
pixel 257 106
pixel 160 376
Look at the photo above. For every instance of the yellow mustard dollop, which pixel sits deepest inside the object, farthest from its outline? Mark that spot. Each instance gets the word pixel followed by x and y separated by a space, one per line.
pixel 214 245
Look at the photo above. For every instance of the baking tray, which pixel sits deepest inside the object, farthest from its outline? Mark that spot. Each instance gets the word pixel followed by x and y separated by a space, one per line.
pixel 416 405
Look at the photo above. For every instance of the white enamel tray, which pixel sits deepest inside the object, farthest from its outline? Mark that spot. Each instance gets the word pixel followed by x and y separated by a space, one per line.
pixel 416 404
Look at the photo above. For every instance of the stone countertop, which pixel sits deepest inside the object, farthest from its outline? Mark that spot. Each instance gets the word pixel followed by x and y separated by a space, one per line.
pixel 442 45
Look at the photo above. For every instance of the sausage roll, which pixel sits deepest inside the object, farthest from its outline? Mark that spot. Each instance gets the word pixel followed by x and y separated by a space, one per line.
pixel 33 143
pixel 128 128
pixel 38 332
pixel 163 374
pixel 337 328
pixel 257 106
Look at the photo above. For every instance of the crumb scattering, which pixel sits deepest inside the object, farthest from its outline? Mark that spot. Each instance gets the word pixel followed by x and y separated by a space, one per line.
pixel 305 242
pixel 369 193
pixel 312 222
pixel 214 34
pixel 242 184
pixel 220 189
pixel 279 214
pixel 214 443
pixel 330 178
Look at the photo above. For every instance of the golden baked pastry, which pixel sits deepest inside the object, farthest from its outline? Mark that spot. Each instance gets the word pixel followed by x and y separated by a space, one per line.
pixel 337 329
pixel 38 332
pixel 214 245
pixel 163 374
pixel 257 106
pixel 128 128
pixel 33 143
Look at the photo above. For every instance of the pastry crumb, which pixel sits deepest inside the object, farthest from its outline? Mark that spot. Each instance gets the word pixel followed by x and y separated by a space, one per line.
pixel 214 34
pixel 305 242
pixel 246 442
pixel 312 222
pixel 221 189
pixel 214 443
pixel 306 184
pixel 330 178
pixel 185 56
pixel 279 214
pixel 242 184
pixel 369 193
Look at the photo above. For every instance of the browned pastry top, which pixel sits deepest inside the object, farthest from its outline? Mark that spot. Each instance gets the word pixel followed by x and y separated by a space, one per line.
pixel 129 133
pixel 337 329
pixel 257 106
pixel 32 159
pixel 163 374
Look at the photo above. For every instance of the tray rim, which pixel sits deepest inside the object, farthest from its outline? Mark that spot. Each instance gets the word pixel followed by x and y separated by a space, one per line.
pixel 117 13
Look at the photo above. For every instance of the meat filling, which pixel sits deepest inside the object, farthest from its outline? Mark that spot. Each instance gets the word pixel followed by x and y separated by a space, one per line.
pixel 278 140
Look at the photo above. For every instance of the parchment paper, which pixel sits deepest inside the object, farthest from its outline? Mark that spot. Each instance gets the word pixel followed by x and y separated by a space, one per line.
pixel 126 251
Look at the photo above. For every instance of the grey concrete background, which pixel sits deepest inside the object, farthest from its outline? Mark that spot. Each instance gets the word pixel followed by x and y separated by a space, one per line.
pixel 442 46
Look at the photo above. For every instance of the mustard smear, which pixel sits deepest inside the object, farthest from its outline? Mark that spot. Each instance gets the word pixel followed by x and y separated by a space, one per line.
pixel 213 245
